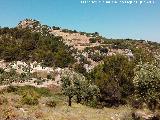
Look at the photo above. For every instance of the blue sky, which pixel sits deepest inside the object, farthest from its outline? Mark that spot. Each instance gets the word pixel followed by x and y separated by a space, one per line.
pixel 110 20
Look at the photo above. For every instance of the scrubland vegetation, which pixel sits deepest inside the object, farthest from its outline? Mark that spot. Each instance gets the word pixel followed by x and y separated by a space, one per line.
pixel 23 44
pixel 120 87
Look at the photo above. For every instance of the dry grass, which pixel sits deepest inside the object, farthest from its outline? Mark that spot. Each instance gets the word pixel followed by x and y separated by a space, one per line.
pixel 14 109
pixel 80 112
pixel 11 107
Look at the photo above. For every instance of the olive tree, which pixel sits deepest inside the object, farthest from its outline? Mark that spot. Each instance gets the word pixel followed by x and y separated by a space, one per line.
pixel 147 84
pixel 68 88
pixel 75 85
pixel 72 84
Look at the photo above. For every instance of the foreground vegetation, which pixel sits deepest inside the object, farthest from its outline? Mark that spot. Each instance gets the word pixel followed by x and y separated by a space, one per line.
pixel 42 104
pixel 30 103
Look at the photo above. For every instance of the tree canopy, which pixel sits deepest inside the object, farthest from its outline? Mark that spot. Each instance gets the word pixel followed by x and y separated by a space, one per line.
pixel 24 44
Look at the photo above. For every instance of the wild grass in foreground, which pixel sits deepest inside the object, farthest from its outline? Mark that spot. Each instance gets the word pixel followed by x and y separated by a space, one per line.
pixel 30 103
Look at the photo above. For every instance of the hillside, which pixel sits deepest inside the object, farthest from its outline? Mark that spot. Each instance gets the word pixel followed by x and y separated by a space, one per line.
pixel 50 50
pixel 53 73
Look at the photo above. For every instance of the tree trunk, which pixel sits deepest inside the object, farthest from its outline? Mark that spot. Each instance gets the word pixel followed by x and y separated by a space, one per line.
pixel 69 101
pixel 78 99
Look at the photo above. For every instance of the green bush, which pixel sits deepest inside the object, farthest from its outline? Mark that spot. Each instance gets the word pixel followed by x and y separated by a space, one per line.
pixel 11 88
pixel 43 92
pixel 114 79
pixel 22 90
pixel 30 98
pixel 147 84
pixel 92 103
pixel 96 57
pixel 80 68
pixel 40 91
pixel 93 40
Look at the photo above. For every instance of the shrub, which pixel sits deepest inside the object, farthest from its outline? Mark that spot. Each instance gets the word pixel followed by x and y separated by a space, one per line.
pixel 96 57
pixel 104 50
pixel 79 68
pixel 92 40
pixel 90 94
pixel 92 103
pixel 114 79
pixel 11 88
pixel 30 98
pixel 39 81
pixel 22 90
pixel 51 103
pixel 44 92
pixel 147 84
pixel 35 75
pixel 49 76
pixel 55 28
pixel 30 94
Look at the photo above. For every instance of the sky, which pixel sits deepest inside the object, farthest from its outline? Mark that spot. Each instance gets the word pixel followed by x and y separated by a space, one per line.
pixel 135 21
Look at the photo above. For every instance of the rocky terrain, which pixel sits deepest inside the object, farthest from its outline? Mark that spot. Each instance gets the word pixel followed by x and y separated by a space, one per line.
pixel 80 41
pixel 34 59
